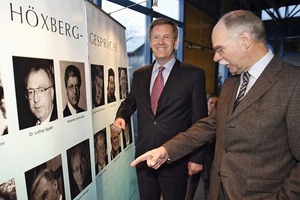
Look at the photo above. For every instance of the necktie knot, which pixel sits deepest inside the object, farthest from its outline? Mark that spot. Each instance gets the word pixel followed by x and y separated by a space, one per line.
pixel 161 68
pixel 246 77
pixel 243 88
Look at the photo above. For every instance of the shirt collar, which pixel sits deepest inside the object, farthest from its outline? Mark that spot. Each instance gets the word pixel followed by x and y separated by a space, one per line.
pixel 169 65
pixel 72 109
pixel 256 70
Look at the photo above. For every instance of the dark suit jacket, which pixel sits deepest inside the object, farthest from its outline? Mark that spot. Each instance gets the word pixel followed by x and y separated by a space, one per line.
pixel 53 114
pixel 258 145
pixel 182 102
pixel 67 111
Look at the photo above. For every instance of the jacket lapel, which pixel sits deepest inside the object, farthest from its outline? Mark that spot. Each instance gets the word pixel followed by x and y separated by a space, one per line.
pixel 172 79
pixel 146 84
pixel 265 81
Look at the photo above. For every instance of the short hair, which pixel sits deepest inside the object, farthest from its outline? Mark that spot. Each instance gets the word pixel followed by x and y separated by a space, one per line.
pixel 210 95
pixel 111 72
pixel 242 20
pixel 162 21
pixel 96 71
pixel 122 69
pixel 72 71
pixel 47 70
pixel 46 173
pixel 100 134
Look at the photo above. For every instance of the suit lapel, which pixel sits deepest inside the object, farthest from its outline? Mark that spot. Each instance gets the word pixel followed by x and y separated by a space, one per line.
pixel 146 84
pixel 173 78
pixel 265 81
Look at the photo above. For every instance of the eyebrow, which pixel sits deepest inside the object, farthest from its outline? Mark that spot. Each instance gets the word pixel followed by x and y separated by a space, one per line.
pixel 217 47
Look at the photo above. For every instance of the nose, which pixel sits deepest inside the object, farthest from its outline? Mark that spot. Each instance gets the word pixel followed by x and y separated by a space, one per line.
pixel 217 57
pixel 161 40
pixel 35 97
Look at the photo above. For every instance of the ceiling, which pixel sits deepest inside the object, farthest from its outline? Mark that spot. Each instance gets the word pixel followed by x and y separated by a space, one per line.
pixel 282 30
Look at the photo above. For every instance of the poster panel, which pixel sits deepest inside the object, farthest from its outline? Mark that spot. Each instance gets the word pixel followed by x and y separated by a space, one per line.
pixel 62 77
pixel 46 110
pixel 113 151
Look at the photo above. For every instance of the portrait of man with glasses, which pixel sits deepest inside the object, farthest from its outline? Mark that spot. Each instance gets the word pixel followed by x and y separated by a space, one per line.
pixel 40 94
pixel 35 91
pixel 72 79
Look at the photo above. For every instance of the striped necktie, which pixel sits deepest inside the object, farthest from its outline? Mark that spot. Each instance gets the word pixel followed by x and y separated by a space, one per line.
pixel 243 88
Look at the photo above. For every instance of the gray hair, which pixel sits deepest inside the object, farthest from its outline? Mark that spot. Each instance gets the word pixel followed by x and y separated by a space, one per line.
pixel 242 20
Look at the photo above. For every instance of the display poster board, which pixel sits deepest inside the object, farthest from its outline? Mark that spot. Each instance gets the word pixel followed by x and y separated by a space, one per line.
pixel 108 59
pixel 63 74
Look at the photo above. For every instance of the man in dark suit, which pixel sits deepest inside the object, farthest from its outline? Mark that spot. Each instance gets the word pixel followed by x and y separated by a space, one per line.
pixel 257 149
pixel 100 145
pixel 111 86
pixel 123 83
pixel 181 103
pixel 40 92
pixel 73 84
pixel 115 143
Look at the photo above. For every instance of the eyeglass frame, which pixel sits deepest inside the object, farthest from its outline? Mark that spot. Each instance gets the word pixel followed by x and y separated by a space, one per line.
pixel 157 38
pixel 219 50
pixel 72 88
pixel 37 91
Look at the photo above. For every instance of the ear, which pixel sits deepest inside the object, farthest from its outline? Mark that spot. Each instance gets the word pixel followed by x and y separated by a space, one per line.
pixel 55 184
pixel 176 44
pixel 246 39
pixel 52 93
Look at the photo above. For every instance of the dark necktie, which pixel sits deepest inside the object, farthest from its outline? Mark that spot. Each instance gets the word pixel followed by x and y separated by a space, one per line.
pixel 157 88
pixel 243 88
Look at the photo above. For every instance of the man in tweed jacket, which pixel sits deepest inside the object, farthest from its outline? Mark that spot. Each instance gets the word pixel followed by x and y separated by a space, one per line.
pixel 257 145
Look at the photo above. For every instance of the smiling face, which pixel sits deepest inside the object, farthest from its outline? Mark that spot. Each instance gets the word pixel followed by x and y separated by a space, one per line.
pixel 163 43
pixel 115 140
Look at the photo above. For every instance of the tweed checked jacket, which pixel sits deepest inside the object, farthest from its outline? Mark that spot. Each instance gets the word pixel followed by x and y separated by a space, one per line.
pixel 258 145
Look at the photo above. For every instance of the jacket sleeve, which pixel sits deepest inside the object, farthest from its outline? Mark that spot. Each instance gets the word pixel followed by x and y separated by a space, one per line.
pixel 291 188
pixel 199 109
pixel 196 136
pixel 128 106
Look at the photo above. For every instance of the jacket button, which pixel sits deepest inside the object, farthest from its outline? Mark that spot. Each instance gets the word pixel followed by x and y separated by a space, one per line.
pixel 155 123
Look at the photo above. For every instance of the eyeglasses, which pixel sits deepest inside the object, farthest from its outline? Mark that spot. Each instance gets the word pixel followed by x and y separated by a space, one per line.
pixel 41 92
pixel 72 88
pixel 166 38
pixel 219 50
pixel 80 167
